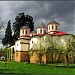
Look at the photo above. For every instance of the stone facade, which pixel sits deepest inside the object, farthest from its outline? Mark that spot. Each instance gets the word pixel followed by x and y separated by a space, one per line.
pixel 47 58
pixel 21 56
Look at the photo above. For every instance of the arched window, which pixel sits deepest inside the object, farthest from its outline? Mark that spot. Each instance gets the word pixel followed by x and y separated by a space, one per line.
pixel 41 31
pixel 26 31
pixel 56 27
pixel 32 42
pixel 23 32
pixel 49 27
pixel 52 26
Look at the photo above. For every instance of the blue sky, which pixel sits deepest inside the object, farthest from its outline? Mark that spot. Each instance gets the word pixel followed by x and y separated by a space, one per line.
pixel 62 11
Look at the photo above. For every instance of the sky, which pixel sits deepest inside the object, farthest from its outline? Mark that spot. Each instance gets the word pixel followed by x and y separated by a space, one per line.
pixel 62 12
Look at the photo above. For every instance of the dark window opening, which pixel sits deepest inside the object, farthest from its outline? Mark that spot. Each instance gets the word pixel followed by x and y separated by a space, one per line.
pixel 56 27
pixel 52 26
pixel 32 42
pixel 49 27
pixel 17 44
pixel 23 32
pixel 26 31
pixel 41 31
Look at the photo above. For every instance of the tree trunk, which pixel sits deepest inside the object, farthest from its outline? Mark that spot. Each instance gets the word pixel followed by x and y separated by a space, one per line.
pixel 58 57
pixel 67 60
pixel 52 56
pixel 40 56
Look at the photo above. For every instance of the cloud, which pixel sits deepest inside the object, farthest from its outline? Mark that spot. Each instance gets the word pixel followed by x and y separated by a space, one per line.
pixel 62 11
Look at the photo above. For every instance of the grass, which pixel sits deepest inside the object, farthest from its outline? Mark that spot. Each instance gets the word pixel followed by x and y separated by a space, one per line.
pixel 22 67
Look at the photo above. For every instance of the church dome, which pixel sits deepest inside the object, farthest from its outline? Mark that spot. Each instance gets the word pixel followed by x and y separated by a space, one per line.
pixel 42 26
pixel 53 22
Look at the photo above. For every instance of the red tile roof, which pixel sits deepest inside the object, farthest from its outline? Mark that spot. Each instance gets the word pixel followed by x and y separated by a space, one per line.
pixel 56 33
pixel 59 33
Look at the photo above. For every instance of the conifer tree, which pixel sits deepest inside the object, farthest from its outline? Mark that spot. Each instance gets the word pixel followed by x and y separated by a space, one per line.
pixel 8 39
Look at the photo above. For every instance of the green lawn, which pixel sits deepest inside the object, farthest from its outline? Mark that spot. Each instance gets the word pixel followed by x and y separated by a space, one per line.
pixel 22 67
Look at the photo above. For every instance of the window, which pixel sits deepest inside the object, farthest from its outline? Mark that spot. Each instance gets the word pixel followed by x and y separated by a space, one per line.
pixel 56 27
pixel 49 27
pixel 41 31
pixel 26 31
pixel 52 26
pixel 17 44
pixel 23 32
pixel 32 42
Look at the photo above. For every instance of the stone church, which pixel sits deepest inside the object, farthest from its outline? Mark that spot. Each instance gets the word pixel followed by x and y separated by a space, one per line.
pixel 27 39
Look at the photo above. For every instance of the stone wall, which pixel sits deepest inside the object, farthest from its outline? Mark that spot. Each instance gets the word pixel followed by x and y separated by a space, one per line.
pixel 47 58
pixel 21 56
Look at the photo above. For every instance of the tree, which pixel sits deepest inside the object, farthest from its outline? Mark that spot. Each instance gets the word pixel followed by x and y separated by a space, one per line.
pixel 20 21
pixel 8 39
pixel 47 45
pixel 70 48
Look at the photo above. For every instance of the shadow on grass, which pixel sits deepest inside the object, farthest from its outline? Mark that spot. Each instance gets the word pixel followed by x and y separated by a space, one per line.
pixel 3 70
pixel 72 67
pixel 11 71
pixel 58 66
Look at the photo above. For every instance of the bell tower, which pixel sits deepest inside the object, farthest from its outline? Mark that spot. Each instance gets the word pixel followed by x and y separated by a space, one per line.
pixel 24 31
pixel 53 26
pixel 41 29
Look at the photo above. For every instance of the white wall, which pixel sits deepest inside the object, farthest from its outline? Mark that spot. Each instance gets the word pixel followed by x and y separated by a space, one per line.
pixel 21 46
pixel 18 45
pixel 35 41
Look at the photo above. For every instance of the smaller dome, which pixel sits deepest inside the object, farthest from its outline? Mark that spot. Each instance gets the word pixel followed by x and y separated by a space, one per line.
pixel 53 22
pixel 25 27
pixel 42 26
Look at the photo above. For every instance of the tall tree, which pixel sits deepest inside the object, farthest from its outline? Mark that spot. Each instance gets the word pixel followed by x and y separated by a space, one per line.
pixel 8 39
pixel 20 21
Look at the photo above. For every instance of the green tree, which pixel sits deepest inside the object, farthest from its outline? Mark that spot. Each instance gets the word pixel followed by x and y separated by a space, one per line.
pixel 70 48
pixel 8 39
pixel 20 21
pixel 67 47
